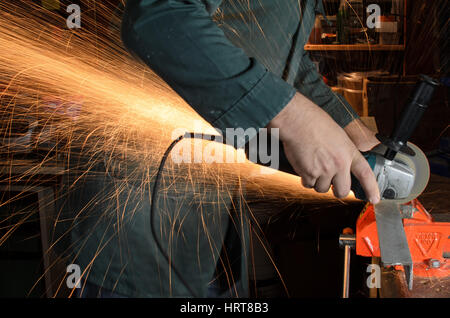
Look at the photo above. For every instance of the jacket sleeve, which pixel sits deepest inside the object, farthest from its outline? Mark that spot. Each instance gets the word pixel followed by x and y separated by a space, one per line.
pixel 181 43
pixel 310 83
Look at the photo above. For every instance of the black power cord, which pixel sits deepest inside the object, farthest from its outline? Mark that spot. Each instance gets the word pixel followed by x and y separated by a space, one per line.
pixel 187 135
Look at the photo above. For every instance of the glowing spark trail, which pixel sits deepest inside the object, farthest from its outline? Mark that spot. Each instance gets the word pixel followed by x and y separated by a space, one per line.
pixel 92 104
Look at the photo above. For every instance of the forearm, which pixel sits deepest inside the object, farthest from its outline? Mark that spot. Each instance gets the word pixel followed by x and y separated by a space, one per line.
pixel 310 83
pixel 363 137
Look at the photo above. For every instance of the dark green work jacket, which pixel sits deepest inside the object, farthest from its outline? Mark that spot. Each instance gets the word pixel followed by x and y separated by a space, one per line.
pixel 237 63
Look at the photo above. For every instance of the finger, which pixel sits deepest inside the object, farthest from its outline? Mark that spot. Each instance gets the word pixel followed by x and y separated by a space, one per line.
pixel 323 184
pixel 342 183
pixel 308 182
pixel 362 171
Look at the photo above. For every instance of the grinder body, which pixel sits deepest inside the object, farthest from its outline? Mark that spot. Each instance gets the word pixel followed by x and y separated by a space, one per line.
pixel 396 166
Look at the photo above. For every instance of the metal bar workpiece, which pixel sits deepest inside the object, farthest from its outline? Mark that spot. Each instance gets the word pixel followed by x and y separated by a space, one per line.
pixel 394 247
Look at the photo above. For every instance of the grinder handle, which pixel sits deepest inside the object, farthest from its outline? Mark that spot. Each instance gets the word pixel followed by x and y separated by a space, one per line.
pixel 411 114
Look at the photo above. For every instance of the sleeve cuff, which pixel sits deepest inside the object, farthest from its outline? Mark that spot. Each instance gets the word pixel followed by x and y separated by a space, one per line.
pixel 256 109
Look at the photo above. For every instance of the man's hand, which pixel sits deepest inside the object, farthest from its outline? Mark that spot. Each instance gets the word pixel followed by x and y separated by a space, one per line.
pixel 363 138
pixel 320 151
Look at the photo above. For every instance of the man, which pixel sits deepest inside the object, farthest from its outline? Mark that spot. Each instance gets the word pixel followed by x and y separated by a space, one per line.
pixel 239 64
pixel 230 88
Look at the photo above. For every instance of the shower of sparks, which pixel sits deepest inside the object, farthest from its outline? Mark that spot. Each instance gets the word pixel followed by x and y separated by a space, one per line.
pixel 91 104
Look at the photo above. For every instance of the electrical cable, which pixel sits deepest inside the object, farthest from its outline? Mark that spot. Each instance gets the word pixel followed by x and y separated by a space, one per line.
pixel 154 194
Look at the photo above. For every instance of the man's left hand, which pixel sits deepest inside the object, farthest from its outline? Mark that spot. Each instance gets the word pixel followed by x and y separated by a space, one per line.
pixel 363 138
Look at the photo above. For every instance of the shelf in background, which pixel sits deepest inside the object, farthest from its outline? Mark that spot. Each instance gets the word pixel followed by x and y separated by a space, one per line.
pixel 354 47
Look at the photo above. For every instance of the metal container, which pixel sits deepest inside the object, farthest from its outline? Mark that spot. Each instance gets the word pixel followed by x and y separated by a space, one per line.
pixel 352 87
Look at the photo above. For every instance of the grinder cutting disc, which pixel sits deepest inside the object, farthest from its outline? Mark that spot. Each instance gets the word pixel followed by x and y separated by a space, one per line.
pixel 419 163
pixel 420 166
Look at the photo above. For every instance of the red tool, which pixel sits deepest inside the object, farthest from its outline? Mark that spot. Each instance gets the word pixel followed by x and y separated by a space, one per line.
pixel 428 240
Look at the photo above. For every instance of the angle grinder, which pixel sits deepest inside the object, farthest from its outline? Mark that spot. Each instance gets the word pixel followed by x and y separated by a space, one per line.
pixel 400 167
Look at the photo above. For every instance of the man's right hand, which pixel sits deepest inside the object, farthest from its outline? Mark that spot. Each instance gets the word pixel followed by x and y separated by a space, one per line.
pixel 320 151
